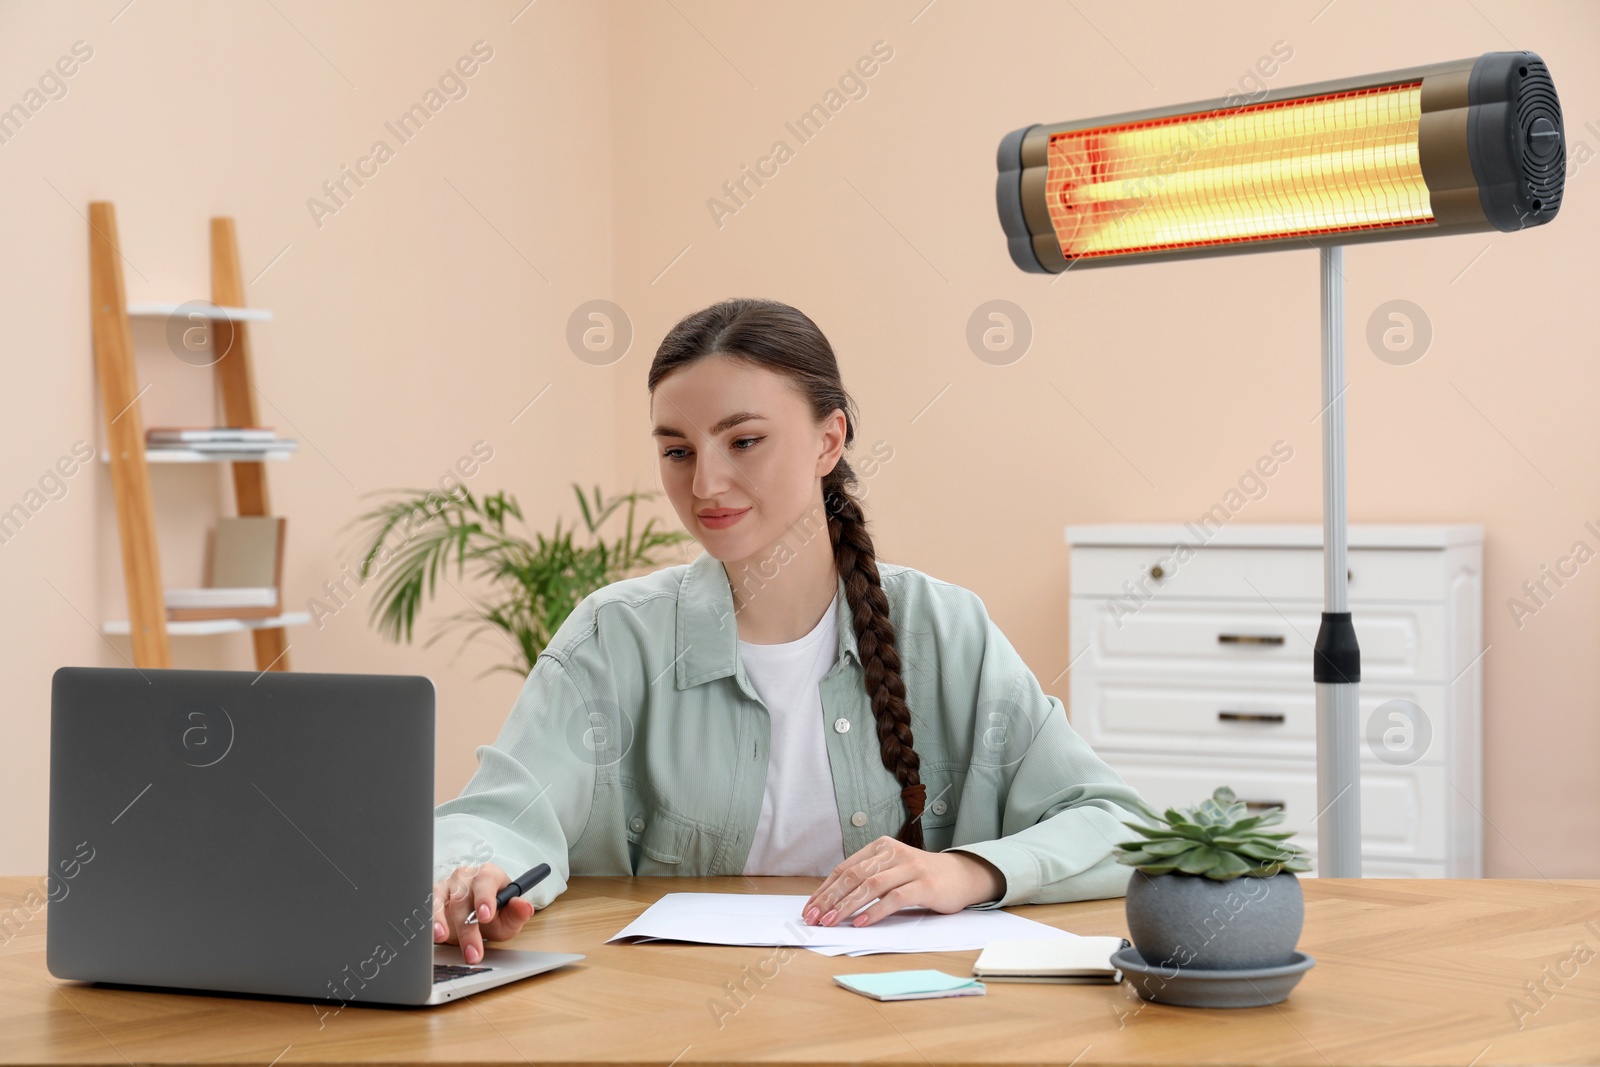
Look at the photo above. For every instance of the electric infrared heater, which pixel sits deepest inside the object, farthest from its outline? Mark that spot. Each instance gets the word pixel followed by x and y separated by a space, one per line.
pixel 1471 145
pixel 1450 148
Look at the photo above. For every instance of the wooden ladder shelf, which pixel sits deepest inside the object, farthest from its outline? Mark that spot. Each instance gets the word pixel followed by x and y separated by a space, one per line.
pixel 125 438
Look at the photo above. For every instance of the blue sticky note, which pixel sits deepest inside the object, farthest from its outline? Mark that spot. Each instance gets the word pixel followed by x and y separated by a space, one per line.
pixel 910 985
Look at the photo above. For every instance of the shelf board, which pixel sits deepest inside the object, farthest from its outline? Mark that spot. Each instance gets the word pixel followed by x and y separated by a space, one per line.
pixel 201 627
pixel 189 455
pixel 1273 535
pixel 210 311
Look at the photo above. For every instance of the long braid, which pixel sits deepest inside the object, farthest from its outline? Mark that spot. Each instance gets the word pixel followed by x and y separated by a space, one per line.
pixel 781 338
pixel 857 563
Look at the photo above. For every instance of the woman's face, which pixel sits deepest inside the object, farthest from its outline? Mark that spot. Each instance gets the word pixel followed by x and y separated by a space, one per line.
pixel 741 459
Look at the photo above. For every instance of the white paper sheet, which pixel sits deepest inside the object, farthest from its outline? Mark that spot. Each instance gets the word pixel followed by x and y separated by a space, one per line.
pixel 774 919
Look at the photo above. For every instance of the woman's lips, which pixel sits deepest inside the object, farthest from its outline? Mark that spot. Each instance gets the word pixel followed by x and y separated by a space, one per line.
pixel 721 518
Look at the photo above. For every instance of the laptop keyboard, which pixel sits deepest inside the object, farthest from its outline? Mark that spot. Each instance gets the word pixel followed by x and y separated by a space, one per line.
pixel 444 972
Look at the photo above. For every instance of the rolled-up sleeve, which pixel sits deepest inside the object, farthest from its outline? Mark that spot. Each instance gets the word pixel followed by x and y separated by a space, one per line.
pixel 1062 806
pixel 532 793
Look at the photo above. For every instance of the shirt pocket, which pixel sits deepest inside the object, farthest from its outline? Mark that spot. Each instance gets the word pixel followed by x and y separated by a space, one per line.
pixel 656 843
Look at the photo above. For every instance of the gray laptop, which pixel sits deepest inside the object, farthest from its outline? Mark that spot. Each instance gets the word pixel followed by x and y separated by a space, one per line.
pixel 253 833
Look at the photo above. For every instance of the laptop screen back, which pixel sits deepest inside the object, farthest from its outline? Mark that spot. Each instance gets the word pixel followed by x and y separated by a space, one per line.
pixel 233 831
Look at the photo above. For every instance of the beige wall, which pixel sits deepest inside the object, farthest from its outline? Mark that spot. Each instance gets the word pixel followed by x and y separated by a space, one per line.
pixel 420 318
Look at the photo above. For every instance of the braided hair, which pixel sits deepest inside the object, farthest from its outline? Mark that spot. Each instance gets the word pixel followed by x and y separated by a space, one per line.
pixel 777 337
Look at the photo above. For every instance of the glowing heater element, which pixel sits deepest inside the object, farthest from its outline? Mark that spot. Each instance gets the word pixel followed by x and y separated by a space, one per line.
pixel 1345 161
pixel 1472 145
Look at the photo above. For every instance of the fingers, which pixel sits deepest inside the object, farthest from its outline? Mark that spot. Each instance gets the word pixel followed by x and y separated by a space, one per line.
pixel 450 907
pixel 873 887
pixel 866 875
pixel 470 892
pixel 469 936
pixel 485 884
pixel 820 910
pixel 441 926
pixel 463 892
pixel 510 919
pixel 860 864
pixel 814 910
pixel 457 906
pixel 887 904
pixel 811 911
pixel 839 882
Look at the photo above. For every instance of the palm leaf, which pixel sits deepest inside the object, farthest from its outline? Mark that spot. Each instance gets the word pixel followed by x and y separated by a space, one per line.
pixel 533 583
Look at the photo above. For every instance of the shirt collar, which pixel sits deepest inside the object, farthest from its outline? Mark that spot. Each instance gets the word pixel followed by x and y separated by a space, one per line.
pixel 708 637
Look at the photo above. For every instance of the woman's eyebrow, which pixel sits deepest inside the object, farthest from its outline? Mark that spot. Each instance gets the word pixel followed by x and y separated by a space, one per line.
pixel 728 423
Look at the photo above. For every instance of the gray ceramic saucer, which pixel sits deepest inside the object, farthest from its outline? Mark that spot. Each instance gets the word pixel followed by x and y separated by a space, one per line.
pixel 1247 988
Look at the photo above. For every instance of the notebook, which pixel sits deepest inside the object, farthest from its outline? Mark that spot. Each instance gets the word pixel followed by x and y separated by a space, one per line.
pixel 910 985
pixel 245 577
pixel 1065 959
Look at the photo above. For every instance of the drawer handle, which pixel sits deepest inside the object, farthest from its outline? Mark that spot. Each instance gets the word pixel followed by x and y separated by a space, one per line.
pixel 1251 716
pixel 1261 805
pixel 1250 639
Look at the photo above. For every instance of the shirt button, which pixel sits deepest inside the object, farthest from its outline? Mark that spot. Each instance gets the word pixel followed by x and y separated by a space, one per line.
pixel 636 824
pixel 937 807
pixel 858 819
pixel 841 726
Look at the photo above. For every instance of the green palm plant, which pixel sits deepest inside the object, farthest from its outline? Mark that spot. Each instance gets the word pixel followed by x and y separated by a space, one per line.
pixel 1215 838
pixel 534 584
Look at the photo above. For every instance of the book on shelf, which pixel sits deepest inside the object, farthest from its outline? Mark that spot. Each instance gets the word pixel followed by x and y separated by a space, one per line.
pixel 241 441
pixel 281 444
pixel 245 577
pixel 184 435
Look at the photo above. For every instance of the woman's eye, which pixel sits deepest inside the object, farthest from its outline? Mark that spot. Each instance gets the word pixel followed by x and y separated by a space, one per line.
pixel 742 444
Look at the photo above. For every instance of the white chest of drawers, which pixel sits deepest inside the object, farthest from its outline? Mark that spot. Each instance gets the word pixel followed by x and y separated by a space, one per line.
pixel 1191 654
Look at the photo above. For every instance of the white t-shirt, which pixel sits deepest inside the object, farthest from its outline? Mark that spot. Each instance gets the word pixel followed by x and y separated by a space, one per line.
pixel 799 830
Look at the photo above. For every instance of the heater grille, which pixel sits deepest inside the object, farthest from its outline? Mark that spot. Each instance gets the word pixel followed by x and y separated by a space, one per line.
pixel 1544 162
pixel 1515 140
pixel 1322 164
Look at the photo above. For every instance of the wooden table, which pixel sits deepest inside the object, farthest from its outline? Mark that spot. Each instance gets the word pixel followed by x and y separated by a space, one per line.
pixel 1408 972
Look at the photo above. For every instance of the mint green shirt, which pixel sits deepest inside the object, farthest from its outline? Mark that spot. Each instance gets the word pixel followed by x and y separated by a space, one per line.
pixel 638 746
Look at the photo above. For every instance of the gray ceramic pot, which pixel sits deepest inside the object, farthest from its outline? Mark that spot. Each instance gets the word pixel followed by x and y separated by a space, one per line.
pixel 1187 920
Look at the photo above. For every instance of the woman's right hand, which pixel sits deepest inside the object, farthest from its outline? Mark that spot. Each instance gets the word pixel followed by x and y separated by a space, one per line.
pixel 472 888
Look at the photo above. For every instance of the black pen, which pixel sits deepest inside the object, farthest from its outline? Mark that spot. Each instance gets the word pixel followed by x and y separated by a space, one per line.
pixel 516 888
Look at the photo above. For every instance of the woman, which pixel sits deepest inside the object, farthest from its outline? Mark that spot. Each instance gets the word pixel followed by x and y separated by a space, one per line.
pixel 785 704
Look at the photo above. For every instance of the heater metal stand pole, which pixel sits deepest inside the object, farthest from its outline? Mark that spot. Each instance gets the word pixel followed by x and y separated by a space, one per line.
pixel 1336 662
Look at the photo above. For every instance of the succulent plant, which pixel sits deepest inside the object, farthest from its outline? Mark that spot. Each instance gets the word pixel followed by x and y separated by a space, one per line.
pixel 1215 838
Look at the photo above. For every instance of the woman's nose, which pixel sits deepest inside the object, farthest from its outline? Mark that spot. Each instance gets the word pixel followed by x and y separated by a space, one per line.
pixel 713 472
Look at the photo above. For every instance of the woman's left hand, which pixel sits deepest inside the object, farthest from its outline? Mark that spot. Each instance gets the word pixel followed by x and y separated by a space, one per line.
pixel 900 876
